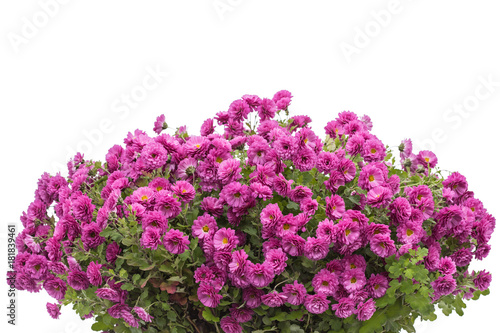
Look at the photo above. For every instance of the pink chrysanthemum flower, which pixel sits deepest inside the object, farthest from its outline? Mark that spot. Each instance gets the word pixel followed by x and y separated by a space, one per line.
pixel 239 110
pixel 175 241
pixel 238 262
pixel 325 282
pixel 167 204
pixel 208 295
pixel 267 109
pixel 344 308
pixel 277 259
pixel 353 279
pixel 370 177
pixel 317 303
pixel 55 287
pixel 293 244
pixel 274 299
pixel 184 190
pixel 204 226
pixel 427 159
pixel 241 314
pixel 304 159
pixel 252 297
pixel 316 248
pixel 160 124
pixel 151 238
pixel 78 280
pixel 382 245
pixel 225 239
pixel 482 280
pixel 443 285
pixel 379 197
pixel 335 207
pixel 154 219
pixel 54 310
pixel 141 313
pixel 326 230
pixel 153 156
pixel 347 232
pixel 282 99
pixel 230 325
pixel 94 273
pixel 259 275
pixel 207 127
pixel 270 215
pixel 295 293
pixel 299 193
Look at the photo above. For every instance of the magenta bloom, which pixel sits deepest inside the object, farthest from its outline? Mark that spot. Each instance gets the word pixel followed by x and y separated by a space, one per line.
pixel 78 280
pixel 154 219
pixel 344 308
pixel 184 190
pixel 229 171
pixel 316 248
pixel 377 285
pixel 282 99
pixel 326 230
pixel 204 226
pixel 141 313
pixel 456 183
pixel 347 232
pixel 153 156
pixel 94 273
pixel 37 266
pixel 304 159
pixel 366 310
pixel 225 239
pixel 277 259
pixel 379 196
pixel 239 110
pixel 274 299
pixel 325 282
pixel 238 262
pixel 317 303
pixel 293 244
pixel 335 207
pixel 382 245
pixel 175 242
pixel 400 210
pixel 259 275
pixel 371 176
pixel 482 280
pixel 266 109
pixel 353 279
pixel 230 325
pixel 123 311
pixel 295 293
pixel 443 285
pixel 108 293
pixel 54 310
pixel 427 158
pixel 242 315
pixel 235 194
pixel 55 287
pixel 270 215
pixel 90 236
pixel 167 204
pixel 252 297
pixel 151 238
pixel 207 127
pixel 159 124
pixel 208 295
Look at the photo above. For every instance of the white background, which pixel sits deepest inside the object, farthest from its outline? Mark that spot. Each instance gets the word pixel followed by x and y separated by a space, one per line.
pixel 68 75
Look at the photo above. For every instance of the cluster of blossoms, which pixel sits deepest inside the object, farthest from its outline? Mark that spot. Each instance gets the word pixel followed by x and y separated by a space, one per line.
pixel 289 222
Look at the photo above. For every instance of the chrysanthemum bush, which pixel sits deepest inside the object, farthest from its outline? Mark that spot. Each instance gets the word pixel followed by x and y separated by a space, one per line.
pixel 255 225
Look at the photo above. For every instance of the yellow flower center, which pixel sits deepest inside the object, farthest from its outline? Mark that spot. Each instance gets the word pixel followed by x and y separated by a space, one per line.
pixel 305 140
pixel 237 195
pixel 206 228
pixel 473 209
pixel 419 197
pixel 373 150
pixel 286 226
pixel 353 280
pixel 144 197
pixel 219 159
pixel 409 232
pixel 198 146
pixel 353 266
pixel 371 178
pixel 376 286
pixel 183 190
pixel 224 240
pixel 37 267
pixel 159 188
pixel 427 159
pixel 382 245
pixel 348 232
pixel 325 283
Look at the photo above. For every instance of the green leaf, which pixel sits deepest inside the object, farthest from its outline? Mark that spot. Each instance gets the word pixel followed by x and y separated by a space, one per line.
pixel 374 323
pixel 280 316
pixel 128 286
pixel 292 205
pixel 172 316
pixel 99 326
pixel 209 316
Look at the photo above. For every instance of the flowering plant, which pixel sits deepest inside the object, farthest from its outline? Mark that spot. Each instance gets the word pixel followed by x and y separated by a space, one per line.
pixel 263 228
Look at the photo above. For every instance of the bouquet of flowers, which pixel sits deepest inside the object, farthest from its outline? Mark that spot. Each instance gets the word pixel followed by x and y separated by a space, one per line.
pixel 259 226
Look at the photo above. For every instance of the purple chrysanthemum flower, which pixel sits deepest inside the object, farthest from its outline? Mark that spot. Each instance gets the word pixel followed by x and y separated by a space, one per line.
pixel 382 245
pixel 37 266
pixel 266 109
pixel 259 275
pixel 154 219
pixel 55 287
pixel 239 110
pixel 335 207
pixel 274 299
pixel 377 285
pixel 225 239
pixel 207 127
pixel 282 99
pixel 153 156
pixel 151 238
pixel 295 293
pixel 141 313
pixel 160 124
pixel 204 226
pixel 252 297
pixel 184 190
pixel 123 311
pixel 293 244
pixel 379 197
pixel 443 285
pixel 366 310
pixel 54 310
pixel 94 273
pixel 325 282
pixel 317 303
pixel 316 248
pixel 427 158
pixel 344 308
pixel 167 204
pixel 353 279
pixel 482 280
pixel 108 293
pixel 90 236
pixel 112 252
pixel 78 280
pixel 175 241
pixel 304 159
pixel 230 325
pixel 208 295
pixel 241 314
pixel 277 259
